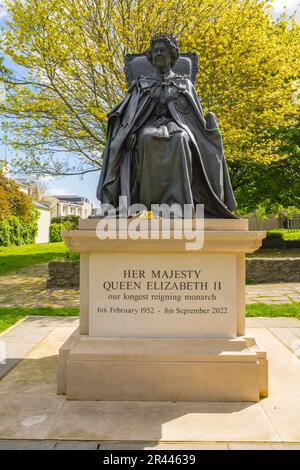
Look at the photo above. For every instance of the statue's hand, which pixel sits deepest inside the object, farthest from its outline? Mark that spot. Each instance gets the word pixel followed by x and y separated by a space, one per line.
pixel 130 141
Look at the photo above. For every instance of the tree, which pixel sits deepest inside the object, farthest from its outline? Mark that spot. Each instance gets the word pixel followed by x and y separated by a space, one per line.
pixel 73 53
pixel 14 202
pixel 274 186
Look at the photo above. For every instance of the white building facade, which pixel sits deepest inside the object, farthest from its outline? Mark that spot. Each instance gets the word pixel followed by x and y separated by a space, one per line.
pixel 43 222
pixel 71 205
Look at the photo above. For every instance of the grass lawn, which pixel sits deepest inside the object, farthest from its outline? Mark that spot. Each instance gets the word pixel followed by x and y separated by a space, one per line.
pixel 273 310
pixel 10 315
pixel 16 257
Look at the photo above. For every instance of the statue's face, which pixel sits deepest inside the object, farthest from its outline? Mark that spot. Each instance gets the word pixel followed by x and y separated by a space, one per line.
pixel 161 57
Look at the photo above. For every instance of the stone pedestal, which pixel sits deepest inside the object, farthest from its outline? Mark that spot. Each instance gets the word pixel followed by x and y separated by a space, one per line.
pixel 160 322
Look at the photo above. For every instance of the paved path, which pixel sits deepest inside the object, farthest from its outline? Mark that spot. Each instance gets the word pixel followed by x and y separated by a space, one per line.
pixel 27 288
pixel 280 293
pixel 104 446
pixel 32 413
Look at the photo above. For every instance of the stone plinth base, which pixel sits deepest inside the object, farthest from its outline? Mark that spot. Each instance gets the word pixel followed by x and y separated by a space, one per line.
pixel 162 320
pixel 162 369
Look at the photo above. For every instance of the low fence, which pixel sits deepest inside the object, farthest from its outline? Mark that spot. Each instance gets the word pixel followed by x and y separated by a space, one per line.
pixel 259 270
pixel 63 274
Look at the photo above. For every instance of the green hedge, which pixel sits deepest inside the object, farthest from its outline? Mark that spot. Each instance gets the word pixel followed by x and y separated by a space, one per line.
pixel 13 231
pixel 66 218
pixel 282 239
pixel 275 235
pixel 55 229
pixel 284 234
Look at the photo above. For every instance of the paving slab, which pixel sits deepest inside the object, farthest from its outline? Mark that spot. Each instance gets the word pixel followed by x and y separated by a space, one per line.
pixel 278 293
pixel 165 446
pixel 28 416
pixel 284 412
pixel 26 445
pixel 286 446
pixel 31 410
pixel 295 331
pixel 263 446
pixel 76 445
pixel 275 322
pixel 50 321
pixel 146 446
pixel 6 367
pixel 162 421
pixel 19 340
pixel 283 404
pixel 286 337
pixel 254 446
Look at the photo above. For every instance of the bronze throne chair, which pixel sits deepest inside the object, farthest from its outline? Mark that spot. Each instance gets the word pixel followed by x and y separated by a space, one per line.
pixel 138 64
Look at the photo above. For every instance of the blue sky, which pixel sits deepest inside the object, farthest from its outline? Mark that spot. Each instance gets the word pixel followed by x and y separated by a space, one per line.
pixel 87 184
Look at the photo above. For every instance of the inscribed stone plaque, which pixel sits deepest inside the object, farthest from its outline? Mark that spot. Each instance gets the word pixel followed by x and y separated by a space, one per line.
pixel 170 295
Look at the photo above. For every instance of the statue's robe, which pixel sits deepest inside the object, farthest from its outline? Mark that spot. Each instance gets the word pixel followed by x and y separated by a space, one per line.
pixel 121 173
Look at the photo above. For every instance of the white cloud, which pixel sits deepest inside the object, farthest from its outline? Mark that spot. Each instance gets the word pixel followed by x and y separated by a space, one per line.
pixel 58 192
pixel 3 12
pixel 45 179
pixel 291 5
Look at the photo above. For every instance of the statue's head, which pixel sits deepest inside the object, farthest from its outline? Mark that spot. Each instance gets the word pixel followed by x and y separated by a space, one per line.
pixel 163 50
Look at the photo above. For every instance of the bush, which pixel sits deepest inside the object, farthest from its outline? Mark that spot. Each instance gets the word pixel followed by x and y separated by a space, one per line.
pixel 13 231
pixel 18 216
pixel 68 222
pixel 66 218
pixel 72 256
pixel 282 238
pixel 284 234
pixel 272 235
pixel 56 228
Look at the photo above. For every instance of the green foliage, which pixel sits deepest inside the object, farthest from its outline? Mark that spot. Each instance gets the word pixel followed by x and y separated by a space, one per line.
pixel 15 232
pixel 66 222
pixel 64 218
pixel 18 215
pixel 275 186
pixel 55 229
pixel 268 188
pixel 273 234
pixel 74 55
pixel 14 202
pixel 72 256
pixel 10 315
pixel 273 310
pixel 13 258
pixel 284 234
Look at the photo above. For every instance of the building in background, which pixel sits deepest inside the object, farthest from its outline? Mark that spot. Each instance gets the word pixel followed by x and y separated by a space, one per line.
pixel 62 205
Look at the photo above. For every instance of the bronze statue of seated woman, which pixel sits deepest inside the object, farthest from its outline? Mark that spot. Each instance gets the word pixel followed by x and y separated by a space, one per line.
pixel 161 148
